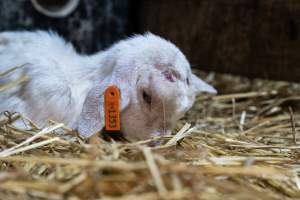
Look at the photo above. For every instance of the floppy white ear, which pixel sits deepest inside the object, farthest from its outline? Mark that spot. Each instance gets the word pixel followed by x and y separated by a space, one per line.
pixel 92 119
pixel 202 86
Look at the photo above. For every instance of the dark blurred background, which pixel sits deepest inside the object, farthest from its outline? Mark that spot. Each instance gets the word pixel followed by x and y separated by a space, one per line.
pixel 253 38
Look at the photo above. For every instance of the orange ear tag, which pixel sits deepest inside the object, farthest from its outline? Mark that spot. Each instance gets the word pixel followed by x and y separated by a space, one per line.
pixel 112 108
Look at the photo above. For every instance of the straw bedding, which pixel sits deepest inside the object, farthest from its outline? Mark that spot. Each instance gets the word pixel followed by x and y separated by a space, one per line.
pixel 241 144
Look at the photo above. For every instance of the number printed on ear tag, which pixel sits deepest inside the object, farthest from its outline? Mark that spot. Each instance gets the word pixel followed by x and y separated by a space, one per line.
pixel 112 108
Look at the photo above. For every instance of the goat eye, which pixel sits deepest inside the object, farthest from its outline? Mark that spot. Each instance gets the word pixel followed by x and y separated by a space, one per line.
pixel 188 81
pixel 147 98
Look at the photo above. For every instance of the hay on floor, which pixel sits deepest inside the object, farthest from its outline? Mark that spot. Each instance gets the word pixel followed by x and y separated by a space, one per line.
pixel 240 144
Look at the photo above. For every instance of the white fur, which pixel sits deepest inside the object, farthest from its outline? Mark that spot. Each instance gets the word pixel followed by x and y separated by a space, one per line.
pixel 68 87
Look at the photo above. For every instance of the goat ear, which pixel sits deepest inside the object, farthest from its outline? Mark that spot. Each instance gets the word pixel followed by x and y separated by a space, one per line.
pixel 201 86
pixel 92 119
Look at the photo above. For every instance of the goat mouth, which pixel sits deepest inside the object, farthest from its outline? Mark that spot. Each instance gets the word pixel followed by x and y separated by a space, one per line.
pixel 113 135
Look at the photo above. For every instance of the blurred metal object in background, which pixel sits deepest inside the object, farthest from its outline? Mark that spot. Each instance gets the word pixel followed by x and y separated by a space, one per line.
pixel 55 8
pixel 91 26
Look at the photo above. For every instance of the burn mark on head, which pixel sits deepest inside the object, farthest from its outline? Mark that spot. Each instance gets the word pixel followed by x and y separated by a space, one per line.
pixel 169 76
